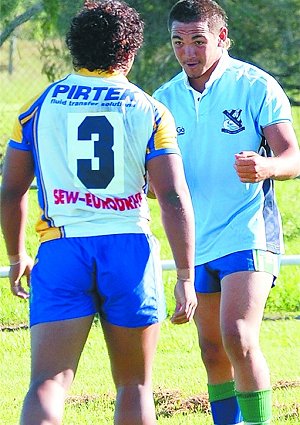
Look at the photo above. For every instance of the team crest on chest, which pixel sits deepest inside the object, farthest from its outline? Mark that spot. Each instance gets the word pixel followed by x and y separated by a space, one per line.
pixel 232 121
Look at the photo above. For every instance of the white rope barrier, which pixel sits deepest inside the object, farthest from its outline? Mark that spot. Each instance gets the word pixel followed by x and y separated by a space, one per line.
pixel 286 260
pixel 4 271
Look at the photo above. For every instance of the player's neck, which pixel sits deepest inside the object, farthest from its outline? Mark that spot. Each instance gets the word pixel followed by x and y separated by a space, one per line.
pixel 200 82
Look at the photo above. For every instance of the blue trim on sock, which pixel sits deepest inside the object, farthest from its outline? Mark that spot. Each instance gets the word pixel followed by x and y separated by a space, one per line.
pixel 226 411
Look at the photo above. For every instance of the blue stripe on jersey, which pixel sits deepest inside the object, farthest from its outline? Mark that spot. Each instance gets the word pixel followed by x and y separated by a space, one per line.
pixel 33 135
pixel 153 154
pixel 157 117
pixel 270 210
pixel 17 145
pixel 271 218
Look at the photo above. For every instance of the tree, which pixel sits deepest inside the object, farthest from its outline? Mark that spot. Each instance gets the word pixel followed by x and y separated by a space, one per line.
pixel 10 24
pixel 263 33
pixel 50 18
pixel 267 34
pixel 155 62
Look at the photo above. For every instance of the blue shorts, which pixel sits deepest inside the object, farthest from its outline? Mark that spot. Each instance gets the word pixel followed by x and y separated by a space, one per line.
pixel 208 276
pixel 117 276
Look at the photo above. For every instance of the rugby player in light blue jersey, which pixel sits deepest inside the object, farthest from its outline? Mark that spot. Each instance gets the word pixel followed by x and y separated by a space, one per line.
pixel 91 139
pixel 235 134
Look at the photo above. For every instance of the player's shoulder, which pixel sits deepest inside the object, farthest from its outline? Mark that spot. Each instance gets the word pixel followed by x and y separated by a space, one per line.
pixel 150 100
pixel 28 109
pixel 170 85
pixel 251 72
pixel 160 110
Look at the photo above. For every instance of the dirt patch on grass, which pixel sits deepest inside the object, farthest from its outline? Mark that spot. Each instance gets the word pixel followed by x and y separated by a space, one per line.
pixel 12 328
pixel 172 402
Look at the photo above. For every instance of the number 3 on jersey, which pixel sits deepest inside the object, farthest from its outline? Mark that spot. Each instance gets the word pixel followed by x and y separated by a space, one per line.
pixel 96 151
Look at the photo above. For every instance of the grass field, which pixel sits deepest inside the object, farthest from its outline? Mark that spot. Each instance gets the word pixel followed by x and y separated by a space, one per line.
pixel 179 376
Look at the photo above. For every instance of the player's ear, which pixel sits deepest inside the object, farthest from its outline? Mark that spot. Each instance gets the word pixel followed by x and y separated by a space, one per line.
pixel 222 37
pixel 130 59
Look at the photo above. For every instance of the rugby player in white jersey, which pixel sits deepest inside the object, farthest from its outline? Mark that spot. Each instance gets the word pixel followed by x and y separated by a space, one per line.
pixel 91 140
pixel 236 137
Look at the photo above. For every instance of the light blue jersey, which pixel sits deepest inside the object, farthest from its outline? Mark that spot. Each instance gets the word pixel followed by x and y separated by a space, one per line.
pixel 228 117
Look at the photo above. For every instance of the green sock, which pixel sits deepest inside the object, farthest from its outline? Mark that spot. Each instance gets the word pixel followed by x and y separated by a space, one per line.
pixel 256 406
pixel 223 402
pixel 221 391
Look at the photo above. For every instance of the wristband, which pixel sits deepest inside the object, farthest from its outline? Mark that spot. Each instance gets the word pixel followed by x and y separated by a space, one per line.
pixel 185 274
pixel 16 259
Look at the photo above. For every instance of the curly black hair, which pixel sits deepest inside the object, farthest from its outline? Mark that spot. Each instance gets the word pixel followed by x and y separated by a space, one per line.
pixel 104 35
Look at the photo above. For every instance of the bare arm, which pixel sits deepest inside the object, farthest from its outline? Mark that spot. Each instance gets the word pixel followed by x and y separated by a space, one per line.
pixel 17 176
pixel 169 185
pixel 252 168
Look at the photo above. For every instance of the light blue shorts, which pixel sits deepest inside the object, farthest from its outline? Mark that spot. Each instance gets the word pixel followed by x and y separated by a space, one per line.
pixel 117 276
pixel 208 276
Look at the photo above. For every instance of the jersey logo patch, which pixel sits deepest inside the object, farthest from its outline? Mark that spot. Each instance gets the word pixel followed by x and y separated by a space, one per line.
pixel 232 121
pixel 180 131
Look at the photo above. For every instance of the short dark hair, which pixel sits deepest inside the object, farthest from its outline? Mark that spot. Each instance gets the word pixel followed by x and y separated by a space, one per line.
pixel 198 10
pixel 104 34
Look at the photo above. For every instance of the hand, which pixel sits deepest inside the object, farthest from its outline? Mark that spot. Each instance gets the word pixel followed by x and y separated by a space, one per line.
pixel 186 301
pixel 252 167
pixel 16 272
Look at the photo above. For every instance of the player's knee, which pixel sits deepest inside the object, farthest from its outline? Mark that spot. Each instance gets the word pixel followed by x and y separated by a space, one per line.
pixel 212 354
pixel 44 402
pixel 239 345
pixel 48 389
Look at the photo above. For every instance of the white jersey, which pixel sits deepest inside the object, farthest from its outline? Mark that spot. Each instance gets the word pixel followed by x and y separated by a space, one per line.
pixel 239 100
pixel 91 136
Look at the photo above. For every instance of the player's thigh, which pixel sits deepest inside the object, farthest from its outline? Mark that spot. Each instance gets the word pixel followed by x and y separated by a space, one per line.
pixel 56 348
pixel 207 319
pixel 244 295
pixel 246 279
pixel 131 352
pixel 207 314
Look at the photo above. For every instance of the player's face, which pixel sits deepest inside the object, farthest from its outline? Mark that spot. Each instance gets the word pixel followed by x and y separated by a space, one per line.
pixel 197 48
